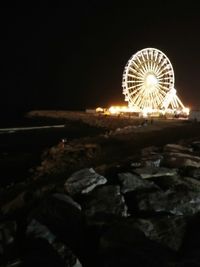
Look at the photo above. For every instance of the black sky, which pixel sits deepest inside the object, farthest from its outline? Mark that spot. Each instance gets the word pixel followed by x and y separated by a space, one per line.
pixel 73 57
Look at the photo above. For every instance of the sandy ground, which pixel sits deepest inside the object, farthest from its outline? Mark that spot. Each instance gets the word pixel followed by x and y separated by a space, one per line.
pixel 125 136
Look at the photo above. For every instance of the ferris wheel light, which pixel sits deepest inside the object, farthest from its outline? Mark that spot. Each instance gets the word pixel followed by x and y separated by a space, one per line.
pixel 186 111
pixel 148 82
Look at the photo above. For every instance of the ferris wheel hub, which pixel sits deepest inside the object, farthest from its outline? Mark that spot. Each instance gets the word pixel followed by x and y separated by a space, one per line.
pixel 150 81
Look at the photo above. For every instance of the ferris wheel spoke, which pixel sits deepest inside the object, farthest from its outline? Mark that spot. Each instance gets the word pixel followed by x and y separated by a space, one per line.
pixel 157 99
pixel 134 76
pixel 134 92
pixel 148 64
pixel 143 70
pixel 155 67
pixel 134 63
pixel 136 72
pixel 166 73
pixel 165 83
pixel 161 90
pixel 158 70
pixel 166 89
pixel 162 69
pixel 132 87
pixel 135 100
pixel 163 78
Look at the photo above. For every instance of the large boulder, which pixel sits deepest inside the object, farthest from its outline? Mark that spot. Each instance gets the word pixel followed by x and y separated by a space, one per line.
pixel 177 148
pixel 83 181
pixel 132 182
pixel 8 232
pixel 124 245
pixel 166 230
pixel 64 219
pixel 103 203
pixel 178 202
pixel 191 171
pixel 38 234
pixel 181 160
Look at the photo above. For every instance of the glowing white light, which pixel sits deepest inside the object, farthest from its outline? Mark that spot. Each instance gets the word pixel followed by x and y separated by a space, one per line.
pixel 148 82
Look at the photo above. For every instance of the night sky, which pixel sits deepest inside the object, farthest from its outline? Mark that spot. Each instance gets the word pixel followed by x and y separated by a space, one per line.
pixel 73 57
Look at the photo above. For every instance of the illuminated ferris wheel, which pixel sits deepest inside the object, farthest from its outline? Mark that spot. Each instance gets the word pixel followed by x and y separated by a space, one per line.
pixel 148 81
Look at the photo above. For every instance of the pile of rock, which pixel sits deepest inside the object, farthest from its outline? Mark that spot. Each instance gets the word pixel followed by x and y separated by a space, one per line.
pixel 143 213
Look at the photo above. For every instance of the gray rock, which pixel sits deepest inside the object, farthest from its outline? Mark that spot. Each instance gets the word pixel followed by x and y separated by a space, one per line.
pixel 83 181
pixel 8 231
pixel 149 172
pixel 196 145
pixel 192 172
pixel 180 160
pixel 37 230
pixel 177 202
pixel 132 182
pixel 106 200
pixel 191 183
pixel 166 230
pixel 63 218
pixel 177 148
pixel 168 182
pixel 124 245
pixel 196 173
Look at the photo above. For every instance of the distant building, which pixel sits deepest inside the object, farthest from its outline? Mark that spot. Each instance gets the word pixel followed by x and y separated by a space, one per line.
pixel 194 115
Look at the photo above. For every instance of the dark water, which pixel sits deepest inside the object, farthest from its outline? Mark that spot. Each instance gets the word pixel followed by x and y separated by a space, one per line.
pixel 21 150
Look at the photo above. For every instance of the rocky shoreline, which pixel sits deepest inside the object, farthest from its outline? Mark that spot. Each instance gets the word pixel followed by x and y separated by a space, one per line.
pixel 139 213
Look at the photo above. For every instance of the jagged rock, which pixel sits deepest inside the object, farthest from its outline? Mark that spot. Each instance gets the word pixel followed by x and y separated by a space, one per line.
pixel 192 184
pixel 196 145
pixel 196 173
pixel 176 182
pixel 39 231
pixel 124 245
pixel 180 160
pixel 177 202
pixel 8 231
pixel 83 181
pixel 153 161
pixel 17 203
pixel 150 150
pixel 39 252
pixel 149 172
pixel 166 230
pixel 168 182
pixel 131 182
pixel 63 218
pixel 177 148
pixel 25 199
pixel 192 172
pixel 105 201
